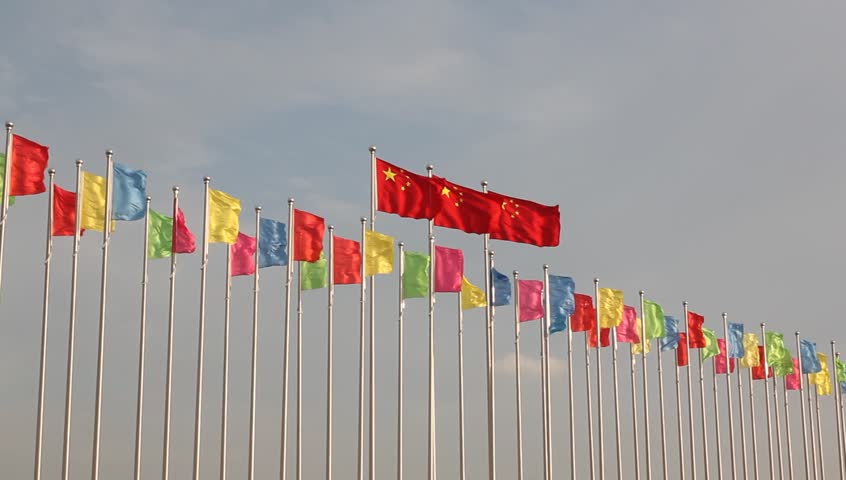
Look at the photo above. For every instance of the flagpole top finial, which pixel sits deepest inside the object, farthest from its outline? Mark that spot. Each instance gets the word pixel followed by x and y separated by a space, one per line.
pixel 175 188
pixel 149 198
pixel 290 200
pixel 797 333
pixel 641 292
pixel 109 152
pixel 430 167
pixel 684 303
pixel 331 227
pixel 207 179
pixel 10 125
pixel 545 267
pixel 595 280
pixel 401 244
pixel 725 314
pixel 79 162
pixel 516 273
pixel 484 183
pixel 763 324
pixel 52 171
pixel 833 342
pixel 258 208
pixel 372 148
pixel 363 219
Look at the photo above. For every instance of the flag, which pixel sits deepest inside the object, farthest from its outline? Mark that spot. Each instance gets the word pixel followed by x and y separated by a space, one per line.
pixel 584 315
pixel 682 352
pixel 711 347
pixel 696 339
pixel 415 278
pixel 501 288
pixel 449 268
pixel 404 193
pixel 308 236
pixel 627 330
pixel 670 340
pixel 26 173
pixel 561 301
pixel 604 337
pixel 159 243
pixel 471 295
pixel 530 294
pixel 223 217
pixel 243 251
pixel 778 356
pixel 637 348
pixel 273 243
pixel 93 202
pixel 750 351
pixel 523 221
pixel 64 212
pixel 735 340
pixel 346 261
pixel 808 352
pixel 466 209
pixel 794 380
pixel 379 253
pixel 129 200
pixel 313 274
pixel 821 379
pixel 654 320
pixel 758 371
pixel 722 364
pixel 839 370
pixel 610 307
pixel 2 173
pixel 184 241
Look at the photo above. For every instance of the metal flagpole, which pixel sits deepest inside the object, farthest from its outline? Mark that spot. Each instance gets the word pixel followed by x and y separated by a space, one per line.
pixel 71 324
pixel 224 410
pixel 517 376
pixel 489 323
pixel 283 460
pixel 643 343
pixel 330 302
pixel 400 314
pixel 362 306
pixel 729 403
pixel 251 456
pixel 299 459
pixel 98 398
pixel 740 416
pixel 661 411
pixel 635 435
pixel 679 415
pixel 42 366
pixel 836 411
pixel 778 429
pixel 142 345
pixel 692 436
pixel 752 423
pixel 570 395
pixel 198 411
pixel 802 408
pixel 433 465
pixel 461 455
pixel 544 326
pixel 819 436
pixel 717 417
pixel 589 403
pixel 839 408
pixel 372 429
pixel 616 405
pixel 787 430
pixel 546 379
pixel 170 325
pixel 812 429
pixel 601 464
pixel 6 186
pixel 702 416
pixel 767 400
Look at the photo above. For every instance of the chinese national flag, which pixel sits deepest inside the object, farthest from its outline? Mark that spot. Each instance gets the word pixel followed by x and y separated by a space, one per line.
pixel 466 209
pixel 694 330
pixel 584 315
pixel 308 236
pixel 404 193
pixel 29 160
pixel 523 221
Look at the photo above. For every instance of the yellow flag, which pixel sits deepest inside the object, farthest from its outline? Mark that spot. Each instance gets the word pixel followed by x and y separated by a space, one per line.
pixel 821 379
pixel 223 217
pixel 378 253
pixel 750 351
pixel 93 202
pixel 637 348
pixel 610 307
pixel 471 295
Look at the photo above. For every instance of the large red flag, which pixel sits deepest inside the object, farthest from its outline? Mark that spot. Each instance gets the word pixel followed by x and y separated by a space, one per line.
pixel 308 236
pixel 758 372
pixel 183 239
pixel 524 221
pixel 681 350
pixel 64 212
pixel 242 255
pixel 694 330
pixel 404 193
pixel 584 315
pixel 466 209
pixel 346 261
pixel 29 160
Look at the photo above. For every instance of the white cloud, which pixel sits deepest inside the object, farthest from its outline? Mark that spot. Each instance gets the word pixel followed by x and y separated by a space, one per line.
pixel 530 366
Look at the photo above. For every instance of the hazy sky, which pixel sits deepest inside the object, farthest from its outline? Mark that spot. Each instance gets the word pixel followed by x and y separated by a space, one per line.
pixel 693 150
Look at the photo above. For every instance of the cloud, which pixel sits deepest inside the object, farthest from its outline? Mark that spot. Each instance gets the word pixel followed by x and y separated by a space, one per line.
pixel 530 366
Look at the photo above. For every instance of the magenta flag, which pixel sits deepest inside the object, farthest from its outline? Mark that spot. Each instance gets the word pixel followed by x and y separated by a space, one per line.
pixel 449 268
pixel 530 294
pixel 627 330
pixel 720 359
pixel 793 381
pixel 243 260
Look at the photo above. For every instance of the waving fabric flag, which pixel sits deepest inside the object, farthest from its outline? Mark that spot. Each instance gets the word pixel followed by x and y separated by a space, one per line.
pixel 530 293
pixel 758 371
pixel 415 278
pixel 93 202
pixel 711 347
pixel 793 381
pixel 466 209
pixel 314 274
pixel 379 253
pixel 26 173
pixel 184 241
pixel 696 339
pixel 501 286
pixel 808 352
pixel 159 243
pixel 523 221
pixel 2 173
pixel 722 364
pixel 243 251
pixel 839 370
pixel 610 307
pixel 584 315
pixel 224 211
pixel 562 302
pixel 273 243
pixel 735 340
pixel 637 348
pixel 64 212
pixel 308 236
pixel 449 269
pixel 604 337
pixel 682 352
pixel 750 351
pixel 130 193
pixel 404 193
pixel 670 340
pixel 821 379
pixel 471 295
pixel 778 356
pixel 346 261
pixel 654 319
pixel 627 330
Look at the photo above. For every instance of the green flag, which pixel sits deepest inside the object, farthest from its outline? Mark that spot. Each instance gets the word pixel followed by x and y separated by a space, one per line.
pixel 778 356
pixel 840 370
pixel 3 177
pixel 313 274
pixel 712 348
pixel 653 319
pixel 415 278
pixel 159 237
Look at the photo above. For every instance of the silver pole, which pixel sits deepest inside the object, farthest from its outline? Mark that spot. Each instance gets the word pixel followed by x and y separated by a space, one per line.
pixel 616 405
pixel 679 413
pixel 283 461
pixel 142 345
pixel 546 379
pixel 839 408
pixel 836 411
pixel 372 429
pixel 42 366
pixel 461 446
pixel 702 416
pixel 571 402
pixel 6 186
pixel 400 315
pixel 251 456
pixel 752 424
pixel 643 342
pixel 740 416
pixel 198 411
pixel 170 325
pixel 787 427
pixel 224 410
pixel 778 429
pixel 692 435
pixel 600 439
pixel 728 402
pixel 802 408
pixel 71 323
pixel 489 309
pixel 362 316
pixel 819 436
pixel 299 459
pixel 767 400
pixel 665 470
pixel 812 428
pixel 330 307
pixel 517 376
pixel 589 403
pixel 546 425
pixel 635 434
pixel 717 417
pixel 433 464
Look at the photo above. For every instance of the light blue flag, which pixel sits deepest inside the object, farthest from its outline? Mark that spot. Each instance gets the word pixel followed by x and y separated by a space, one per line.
pixel 843 387
pixel 501 286
pixel 562 302
pixel 129 200
pixel 808 353
pixel 273 243
pixel 670 340
pixel 735 340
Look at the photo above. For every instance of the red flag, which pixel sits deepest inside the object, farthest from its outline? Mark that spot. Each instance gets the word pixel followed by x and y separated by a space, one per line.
pixel 346 260
pixel 524 221
pixel 793 381
pixel 604 337
pixel 404 193
pixel 466 209
pixel 449 269
pixel 29 160
pixel 694 330
pixel 584 315
pixel 681 350
pixel 758 372
pixel 720 366
pixel 627 330
pixel 64 212
pixel 308 236
pixel 242 255
pixel 183 239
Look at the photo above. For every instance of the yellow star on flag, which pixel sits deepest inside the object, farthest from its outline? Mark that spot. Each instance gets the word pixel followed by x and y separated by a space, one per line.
pixel 390 174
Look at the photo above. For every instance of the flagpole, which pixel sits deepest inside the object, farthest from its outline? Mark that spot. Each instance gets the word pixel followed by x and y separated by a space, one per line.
pixel 401 314
pixel 461 455
pixel 679 413
pixel 819 436
pixel 546 380
pixel 570 395
pixel 251 456
pixel 71 324
pixel 752 423
pixel 489 323
pixel 198 410
pixel 740 416
pixel 836 411
pixel 702 416
pixel 42 366
pixel 599 382
pixel 778 429
pixel 802 408
pixel 433 470
pixel 299 458
pixel 372 430
pixel 729 403
pixel 330 301
pixel 643 343
pixel 517 375
pixel 224 410
pixel 362 315
pixel 635 435
pixel 544 335
pixel 717 416
pixel 811 428
pixel 616 404
pixel 839 407
pixel 787 427
pixel 170 327
pixel 6 187
pixel 767 400
pixel 589 403
pixel 142 343
pixel 661 409
pixel 283 461
pixel 692 435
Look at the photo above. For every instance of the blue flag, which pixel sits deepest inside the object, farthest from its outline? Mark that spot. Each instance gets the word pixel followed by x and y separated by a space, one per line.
pixel 273 243
pixel 808 354
pixel 735 340
pixel 129 200
pixel 843 387
pixel 670 340
pixel 562 302
pixel 501 286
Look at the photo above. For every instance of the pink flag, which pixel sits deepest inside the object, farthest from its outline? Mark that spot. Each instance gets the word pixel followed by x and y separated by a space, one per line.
pixel 449 268
pixel 720 359
pixel 530 296
pixel 627 330
pixel 793 381
pixel 183 239
pixel 243 255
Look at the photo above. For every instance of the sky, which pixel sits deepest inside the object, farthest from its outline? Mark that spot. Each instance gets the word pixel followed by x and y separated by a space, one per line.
pixel 692 148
